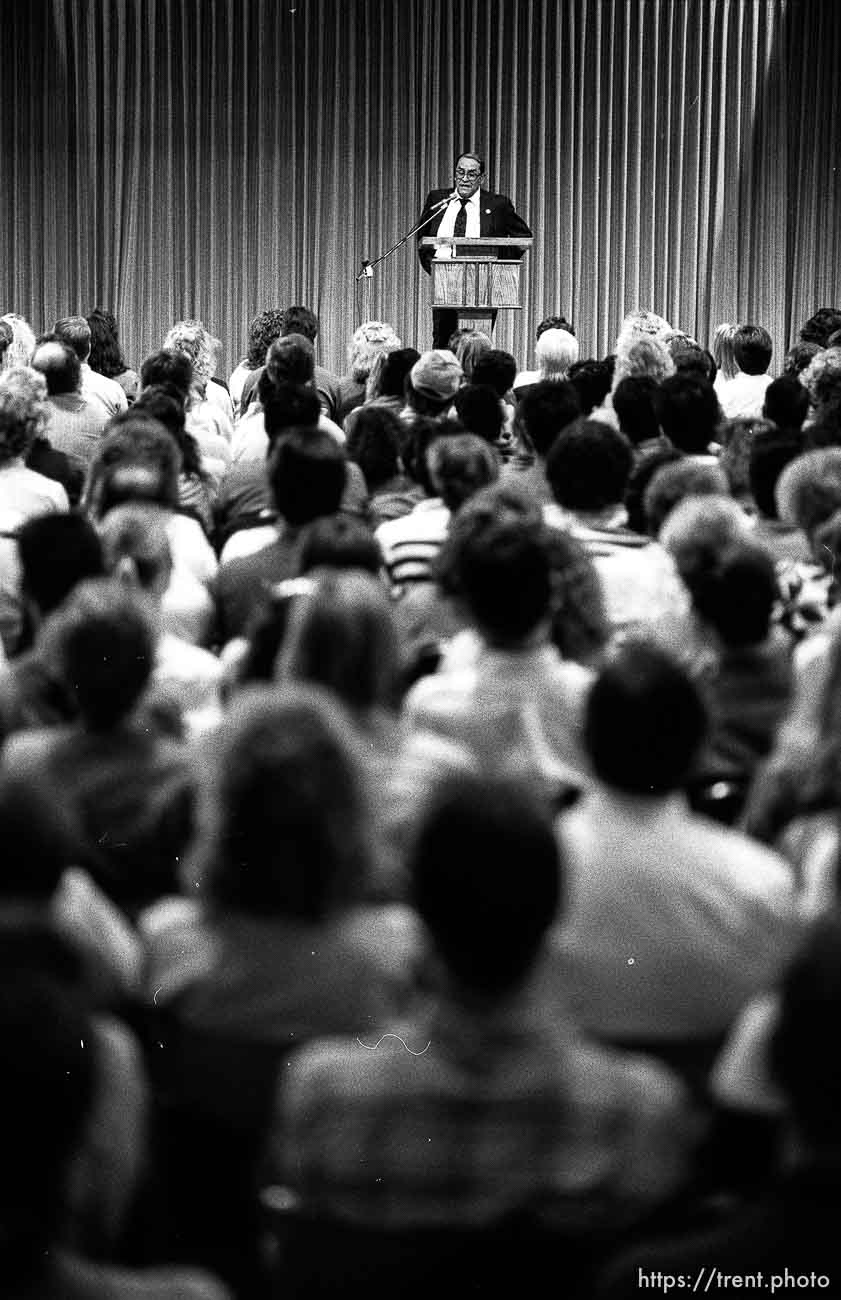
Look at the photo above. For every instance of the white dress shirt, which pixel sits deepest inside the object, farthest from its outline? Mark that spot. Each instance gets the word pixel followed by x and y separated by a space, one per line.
pixel 447 227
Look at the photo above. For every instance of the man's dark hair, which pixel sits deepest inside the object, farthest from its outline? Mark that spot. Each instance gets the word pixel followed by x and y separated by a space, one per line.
pixel 496 369
pixel 641 475
pixel 592 381
pixel 76 333
pixel 374 444
pixel 56 552
pixel 786 402
pixel 819 327
pixel 459 465
pixel 734 591
pixel 307 470
pixel 487 930
pixel 395 369
pixel 752 349
pixel 59 365
pixel 554 323
pixel 289 360
pixel 589 465
pixel 422 433
pixel 479 410
pixel 644 722
pixel 769 454
pixel 339 542
pixel 546 408
pixel 690 359
pixel 262 332
pixel 689 413
pixel 799 356
pixel 500 564
pixel 636 401
pixel 137 460
pixel 106 356
pixel 165 403
pixel 300 320
pixel 673 483
pixel 287 405
pixel 168 367
pixel 477 158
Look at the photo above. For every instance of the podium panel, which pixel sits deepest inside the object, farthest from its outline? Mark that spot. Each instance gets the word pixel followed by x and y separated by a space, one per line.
pixel 476 284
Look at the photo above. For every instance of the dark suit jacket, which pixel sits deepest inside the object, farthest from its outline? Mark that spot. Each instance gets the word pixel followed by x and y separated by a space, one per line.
pixel 496 217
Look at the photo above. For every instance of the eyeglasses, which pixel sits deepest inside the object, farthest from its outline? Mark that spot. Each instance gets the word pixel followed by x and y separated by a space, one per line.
pixel 462 175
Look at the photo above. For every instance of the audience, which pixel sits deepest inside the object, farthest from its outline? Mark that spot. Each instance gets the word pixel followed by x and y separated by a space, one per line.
pixel 743 395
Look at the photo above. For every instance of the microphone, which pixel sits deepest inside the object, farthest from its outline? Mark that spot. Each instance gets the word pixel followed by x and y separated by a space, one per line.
pixel 443 203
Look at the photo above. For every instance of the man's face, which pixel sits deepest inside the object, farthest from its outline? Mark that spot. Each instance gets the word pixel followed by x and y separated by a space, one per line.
pixel 468 177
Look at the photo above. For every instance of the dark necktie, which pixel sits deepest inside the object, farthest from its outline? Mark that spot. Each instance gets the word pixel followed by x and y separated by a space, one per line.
pixel 460 228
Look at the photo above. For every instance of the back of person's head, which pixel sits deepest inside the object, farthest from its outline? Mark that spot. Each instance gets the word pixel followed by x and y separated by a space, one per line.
pixel 821 326
pixel 137 460
pixel 286 405
pixel 644 722
pixel 423 431
pixel 191 338
pixel 56 552
pixel 342 636
pixel 641 475
pixel 168 366
pixel 700 529
pixel 306 470
pixel 374 444
pixel 459 466
pixel 804 1055
pixel 786 402
pixel 480 411
pixel 592 380
pixel 23 411
pixel 487 920
pixel 689 413
pixel 736 438
pixel 589 465
pixel 723 339
pixel 136 547
pixel 544 409
pixel 471 345
pixel 799 357
pixel 809 489
pixel 636 401
pixel 300 320
pixel 675 482
pixel 76 333
pixel 555 352
pixel 822 378
pixel 647 355
pixel 770 452
pixel 264 328
pixel 752 349
pixel 433 382
pixel 104 641
pixel 371 337
pixel 106 356
pixel 283 815
pixel 47 1089
pixel 165 403
pixel 496 369
pixel 395 367
pixel 499 563
pixel 20 350
pixel 554 323
pixel 734 591
pixel 59 365
pixel 289 360
pixel 339 542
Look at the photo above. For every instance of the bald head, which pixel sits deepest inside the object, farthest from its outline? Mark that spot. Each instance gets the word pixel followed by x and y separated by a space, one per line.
pixel 59 365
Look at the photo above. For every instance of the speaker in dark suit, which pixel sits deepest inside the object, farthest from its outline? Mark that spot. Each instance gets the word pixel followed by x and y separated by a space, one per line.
pixel 467 210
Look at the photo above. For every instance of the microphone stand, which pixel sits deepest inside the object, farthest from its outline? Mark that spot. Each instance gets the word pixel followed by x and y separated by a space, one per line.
pixel 367 270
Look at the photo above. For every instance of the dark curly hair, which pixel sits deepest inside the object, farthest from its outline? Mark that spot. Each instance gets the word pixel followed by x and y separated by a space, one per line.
pixel 262 332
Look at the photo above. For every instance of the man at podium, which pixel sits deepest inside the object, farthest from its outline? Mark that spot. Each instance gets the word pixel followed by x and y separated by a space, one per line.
pixel 467 210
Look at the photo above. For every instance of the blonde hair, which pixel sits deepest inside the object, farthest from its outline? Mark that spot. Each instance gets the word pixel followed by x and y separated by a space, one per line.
pixel 555 352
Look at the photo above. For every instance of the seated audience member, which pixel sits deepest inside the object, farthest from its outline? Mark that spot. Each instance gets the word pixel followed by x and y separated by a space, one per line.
pixel 736 437
pixel 542 411
pixel 29 389
pixel 470 345
pixel 689 414
pixel 200 475
pixel 302 322
pixel 368 340
pixel 265 327
pixel 690 358
pixel 676 481
pixel 106 356
pixel 723 355
pixel 306 473
pixel 743 395
pixel 431 386
pixel 59 1065
pixel 272 946
pixel 808 492
pixel 6 337
pixel 770 452
pixel 24 493
pixel 822 381
pixel 556 350
pixel 139 461
pixel 55 552
pixel 75 423
pixel 637 405
pixel 386 384
pixel 458 465
pixel 641 475
pixel 19 351
pixel 126 788
pixel 674 922
pixel 515 706
pixel 481 412
pixel 290 362
pixel 76 333
pixel 497 370
pixel 170 366
pixel 819 328
pixel 786 403
pixel 588 468
pixel 799 357
pixel 136 550
pixel 592 381
pixel 788 1230
pixel 374 444
pixel 209 406
pixel 421 1134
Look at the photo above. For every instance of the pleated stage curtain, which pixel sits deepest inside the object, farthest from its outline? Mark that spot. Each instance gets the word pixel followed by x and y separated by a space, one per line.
pixel 209 158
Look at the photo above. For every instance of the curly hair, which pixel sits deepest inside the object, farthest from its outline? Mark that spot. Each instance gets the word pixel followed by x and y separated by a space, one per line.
pixel 372 337
pixel 644 355
pixel 191 338
pixel 23 411
pixel 822 377
pixel 262 332
pixel 22 346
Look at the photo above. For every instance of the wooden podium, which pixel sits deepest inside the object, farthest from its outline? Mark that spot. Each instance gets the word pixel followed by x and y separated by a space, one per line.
pixel 476 281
